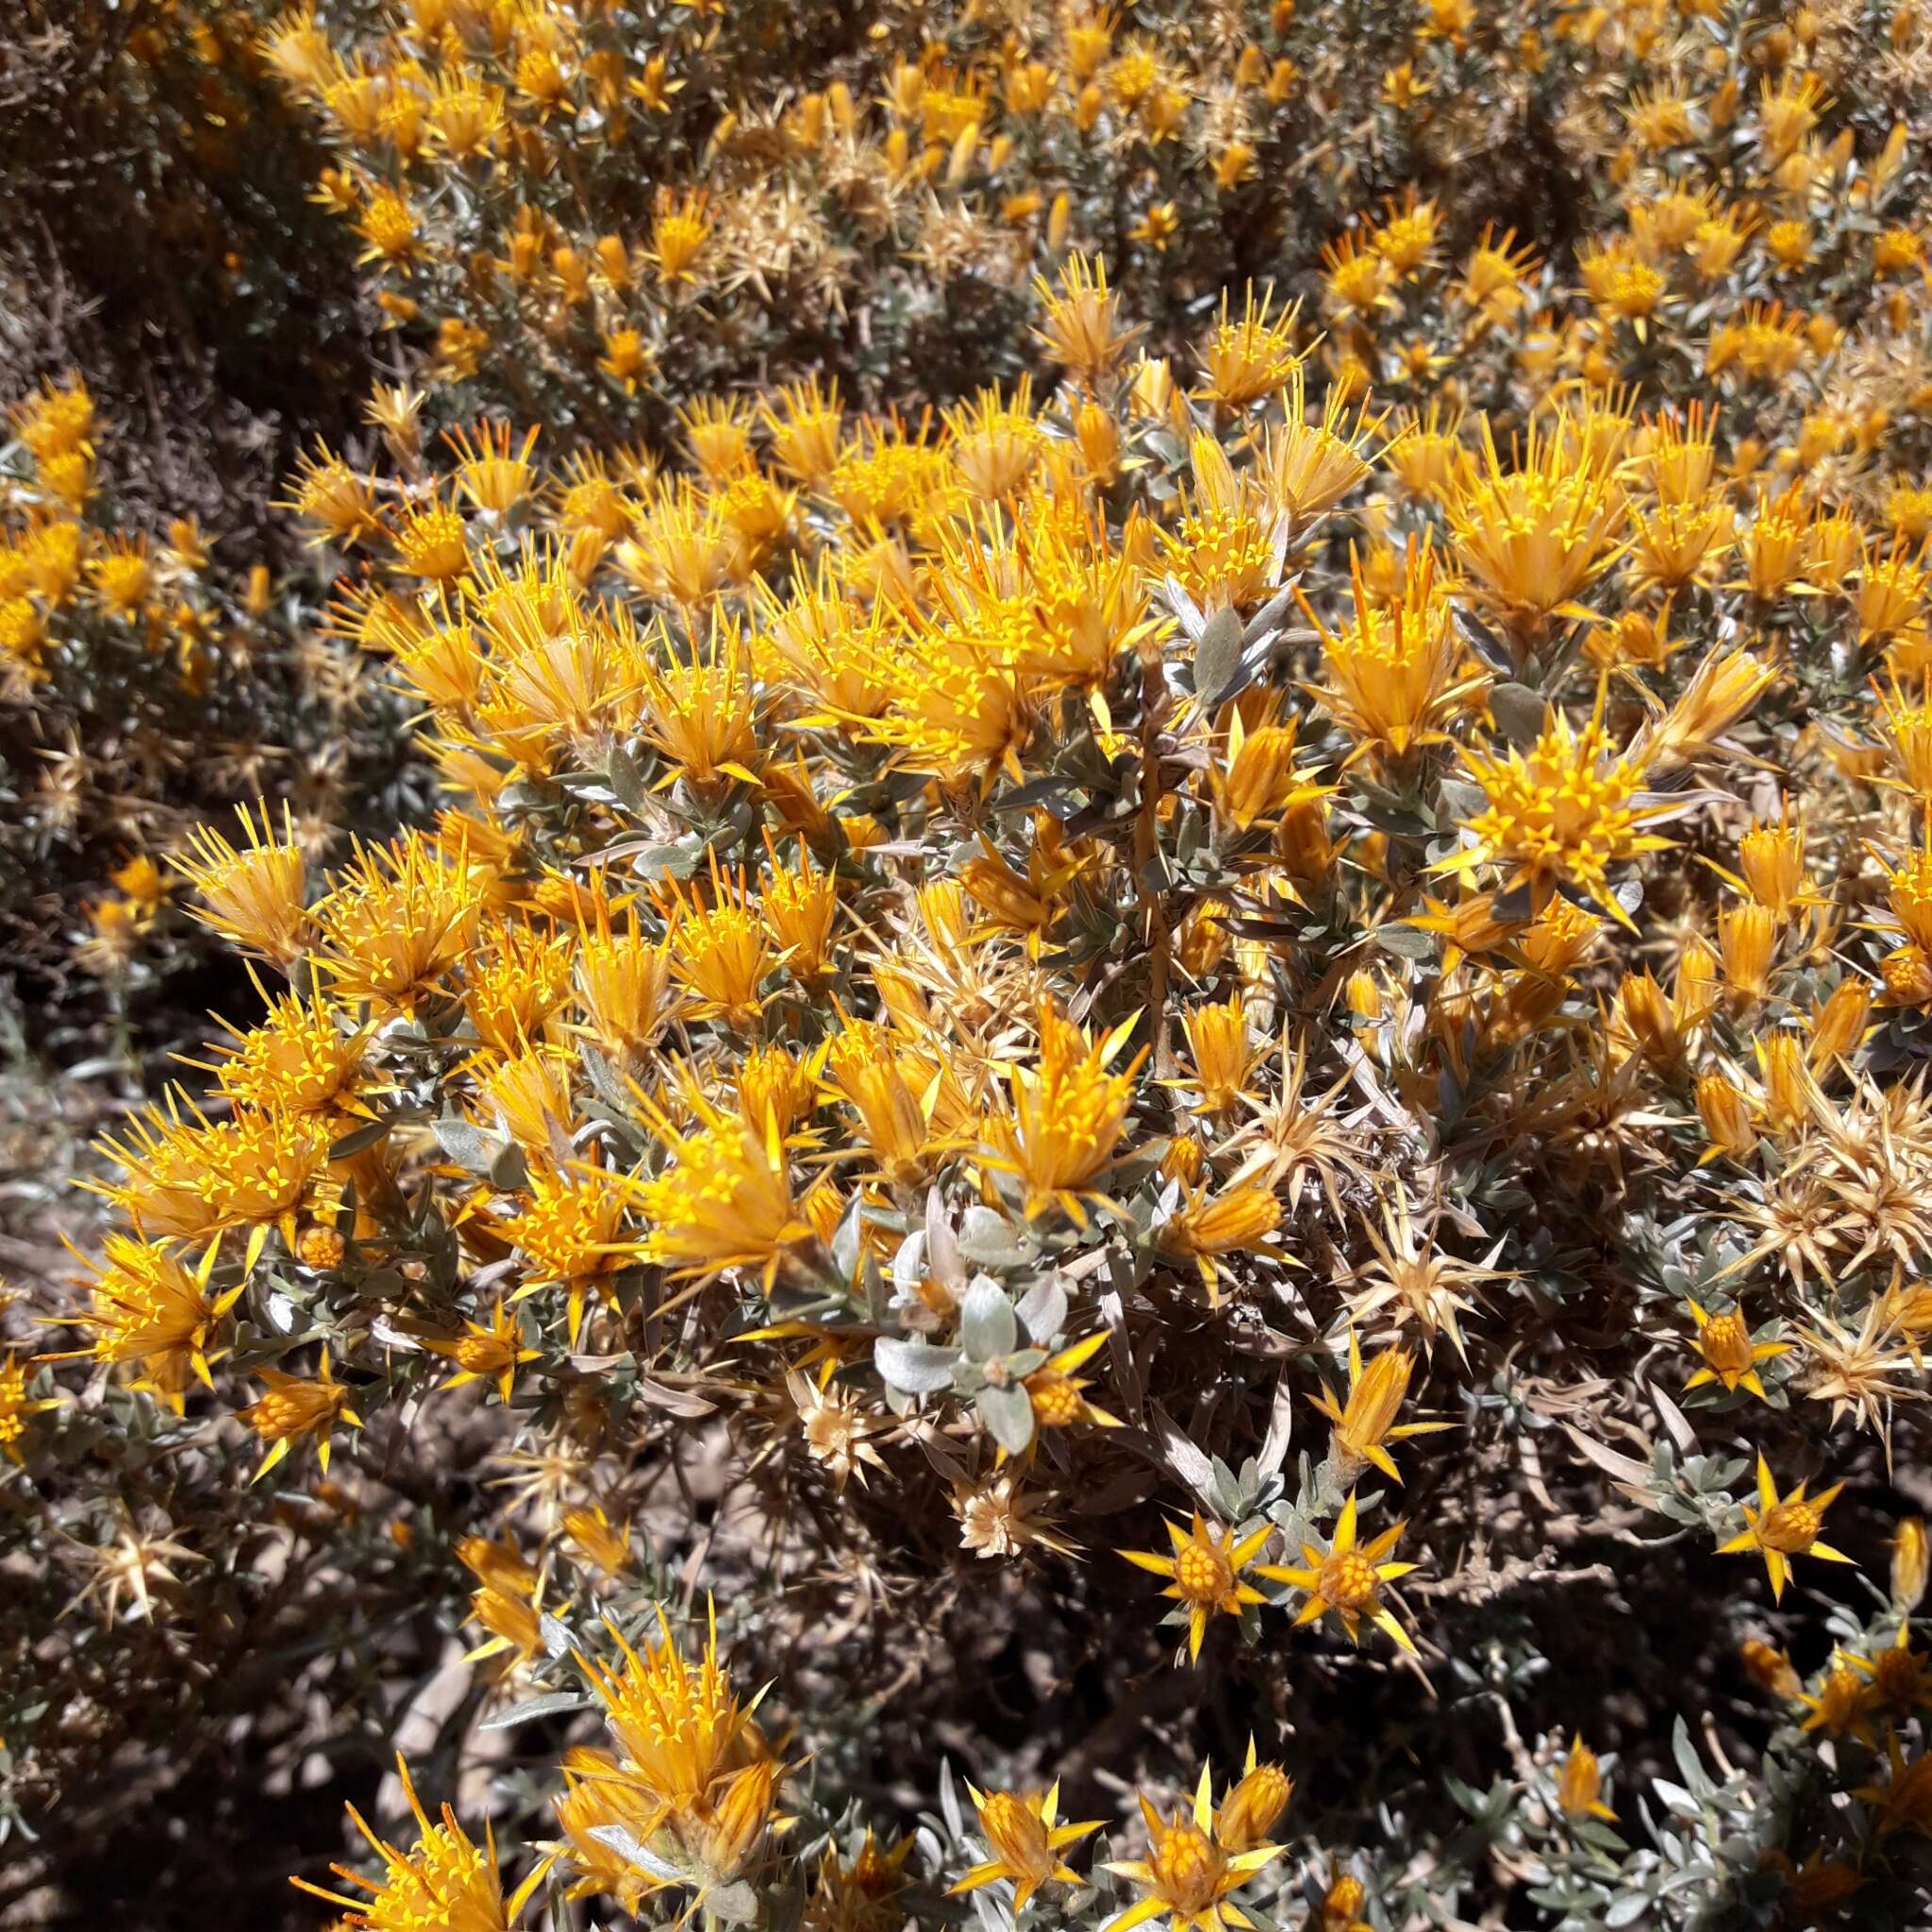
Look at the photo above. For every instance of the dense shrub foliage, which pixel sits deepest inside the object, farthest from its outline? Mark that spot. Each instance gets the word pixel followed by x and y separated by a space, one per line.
pixel 1083 919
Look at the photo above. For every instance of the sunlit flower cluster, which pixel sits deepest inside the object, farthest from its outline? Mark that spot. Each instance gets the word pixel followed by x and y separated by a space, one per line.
pixel 1127 940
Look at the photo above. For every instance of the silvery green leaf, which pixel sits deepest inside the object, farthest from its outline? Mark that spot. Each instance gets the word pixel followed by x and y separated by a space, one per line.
pixel 557 1637
pixel 1689 1764
pixel 1043 1308
pixel 1261 627
pixel 366 1136
pixel 510 1171
pixel 1224 1490
pixel 1519 712
pixel 676 861
pixel 1674 1420
pixel 908 1265
pixel 1217 657
pixel 1404 942
pixel 988 1240
pixel 1008 1413
pixel 942 1245
pixel 846 1238
pixel 1486 642
pixel 1181 1455
pixel 468 1145
pixel 534 1707
pixel 633 1850
pixel 872 1287
pixel 1185 610
pixel 1274 1446
pixel 988 1326
pixel 732 1905
pixel 627 782
pixel 914 1367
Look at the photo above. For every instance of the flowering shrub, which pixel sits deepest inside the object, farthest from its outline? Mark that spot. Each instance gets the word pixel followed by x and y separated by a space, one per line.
pixel 1187 1088
pixel 143 681
pixel 589 215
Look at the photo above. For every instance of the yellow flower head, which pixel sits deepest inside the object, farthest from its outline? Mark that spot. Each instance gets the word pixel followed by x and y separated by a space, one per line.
pixel 295 1407
pixel 1223 1054
pixel 17 1407
pixel 1306 468
pixel 1366 1421
pixel 395 923
pixel 149 1306
pixel 1400 672
pixel 623 979
pixel 702 715
pixel 683 1730
pixel 1535 536
pixel 253 897
pixel 1562 812
pixel 569 1233
pixel 1245 360
pixel 1082 329
pixel 1254 1806
pixel 1190 1869
pixel 1779 1529
pixel 1205 1571
pixel 446 1880
pixel 1027 1841
pixel 720 951
pixel 724 1202
pixel 889 1090
pixel 1065 1115
pixel 1239 1219
pixel 1347 1579
pixel 1730 1355
pixel 678 234
pixel 489 1351
pixel 335 499
pixel 804 423
pixel 1579 1785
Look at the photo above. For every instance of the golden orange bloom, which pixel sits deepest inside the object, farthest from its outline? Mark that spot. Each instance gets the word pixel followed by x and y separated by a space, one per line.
pixel 1065 1115
pixel 1347 1579
pixel 489 1351
pixel 1190 1869
pixel 1027 1841
pixel 723 1201
pixel 295 1407
pixel 1205 1572
pixel 1781 1529
pixel 1535 536
pixel 150 1306
pixel 1366 1421
pixel 1082 330
pixel 253 897
pixel 1579 1785
pixel 446 1880
pixel 1401 672
pixel 1566 811
pixel 1730 1355
pixel 17 1407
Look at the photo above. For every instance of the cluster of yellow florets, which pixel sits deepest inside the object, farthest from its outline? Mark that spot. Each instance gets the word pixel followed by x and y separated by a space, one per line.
pixel 1052 866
